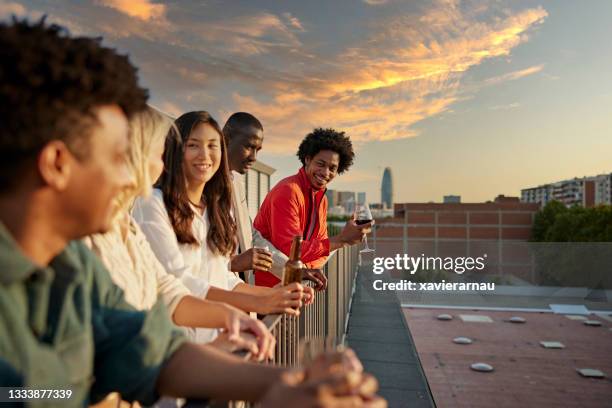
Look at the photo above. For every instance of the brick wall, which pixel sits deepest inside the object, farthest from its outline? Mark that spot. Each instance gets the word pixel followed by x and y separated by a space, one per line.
pixel 462 229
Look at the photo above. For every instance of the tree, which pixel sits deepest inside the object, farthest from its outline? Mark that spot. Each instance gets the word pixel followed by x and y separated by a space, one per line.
pixel 573 249
pixel 545 218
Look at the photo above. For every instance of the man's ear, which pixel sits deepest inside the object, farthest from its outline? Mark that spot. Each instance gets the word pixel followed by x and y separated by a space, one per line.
pixel 56 164
pixel 307 160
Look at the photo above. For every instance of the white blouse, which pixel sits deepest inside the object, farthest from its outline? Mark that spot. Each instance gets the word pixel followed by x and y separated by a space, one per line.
pixel 196 266
pixel 135 269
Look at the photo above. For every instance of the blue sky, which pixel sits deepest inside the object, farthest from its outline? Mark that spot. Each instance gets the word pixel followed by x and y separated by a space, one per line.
pixel 475 98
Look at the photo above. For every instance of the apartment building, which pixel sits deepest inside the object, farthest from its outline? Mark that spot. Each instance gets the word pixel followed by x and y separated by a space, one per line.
pixel 585 191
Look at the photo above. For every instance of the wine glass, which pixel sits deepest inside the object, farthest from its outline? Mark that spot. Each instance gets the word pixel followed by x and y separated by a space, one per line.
pixel 364 216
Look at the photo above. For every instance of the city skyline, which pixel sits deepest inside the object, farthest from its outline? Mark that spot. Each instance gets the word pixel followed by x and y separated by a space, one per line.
pixel 475 98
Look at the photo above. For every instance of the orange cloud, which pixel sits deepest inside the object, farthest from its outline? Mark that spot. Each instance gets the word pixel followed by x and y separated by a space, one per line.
pixel 408 72
pixel 464 44
pixel 287 123
pixel 140 9
pixel 405 69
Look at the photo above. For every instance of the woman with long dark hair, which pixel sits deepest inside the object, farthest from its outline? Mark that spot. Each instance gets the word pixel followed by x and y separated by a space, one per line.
pixel 133 266
pixel 189 223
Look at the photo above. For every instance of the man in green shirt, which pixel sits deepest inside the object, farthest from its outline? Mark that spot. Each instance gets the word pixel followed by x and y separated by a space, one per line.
pixel 64 109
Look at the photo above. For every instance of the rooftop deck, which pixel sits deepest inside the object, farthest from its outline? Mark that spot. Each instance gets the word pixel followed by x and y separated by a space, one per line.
pixel 378 333
pixel 525 373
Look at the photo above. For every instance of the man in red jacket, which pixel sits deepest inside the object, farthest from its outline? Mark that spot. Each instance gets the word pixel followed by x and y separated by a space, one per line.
pixel 297 204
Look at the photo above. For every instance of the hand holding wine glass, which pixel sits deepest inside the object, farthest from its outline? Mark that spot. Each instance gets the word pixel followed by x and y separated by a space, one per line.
pixel 363 217
pixel 353 232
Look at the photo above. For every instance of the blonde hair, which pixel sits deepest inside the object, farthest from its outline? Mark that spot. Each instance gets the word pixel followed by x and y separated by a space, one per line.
pixel 145 130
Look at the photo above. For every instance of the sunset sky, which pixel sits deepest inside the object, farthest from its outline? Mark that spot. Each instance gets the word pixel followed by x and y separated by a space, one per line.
pixel 473 98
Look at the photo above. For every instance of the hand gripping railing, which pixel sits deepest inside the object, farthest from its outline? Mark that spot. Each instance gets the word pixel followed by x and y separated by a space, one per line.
pixel 327 316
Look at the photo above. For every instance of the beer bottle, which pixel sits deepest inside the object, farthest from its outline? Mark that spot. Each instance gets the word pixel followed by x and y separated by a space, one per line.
pixel 293 266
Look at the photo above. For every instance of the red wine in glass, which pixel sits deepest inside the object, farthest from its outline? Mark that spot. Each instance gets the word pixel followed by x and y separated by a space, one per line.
pixel 364 216
pixel 361 222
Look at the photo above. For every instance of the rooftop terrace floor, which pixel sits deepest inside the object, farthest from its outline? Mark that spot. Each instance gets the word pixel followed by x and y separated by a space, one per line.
pixel 379 335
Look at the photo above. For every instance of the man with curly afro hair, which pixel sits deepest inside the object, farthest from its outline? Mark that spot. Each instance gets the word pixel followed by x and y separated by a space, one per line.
pixel 297 205
pixel 64 109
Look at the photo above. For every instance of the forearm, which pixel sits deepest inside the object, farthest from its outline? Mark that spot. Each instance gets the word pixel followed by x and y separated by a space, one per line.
pixel 337 242
pixel 278 257
pixel 243 301
pixel 252 290
pixel 194 312
pixel 200 371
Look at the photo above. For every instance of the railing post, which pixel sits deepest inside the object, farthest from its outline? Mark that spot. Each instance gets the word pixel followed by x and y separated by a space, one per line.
pixel 340 294
pixel 374 236
pixel 326 302
pixel 326 317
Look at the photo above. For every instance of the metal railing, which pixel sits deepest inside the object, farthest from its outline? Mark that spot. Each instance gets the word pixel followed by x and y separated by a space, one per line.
pixel 327 316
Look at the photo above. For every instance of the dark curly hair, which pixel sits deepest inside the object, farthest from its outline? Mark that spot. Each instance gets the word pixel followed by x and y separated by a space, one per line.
pixel 50 86
pixel 327 139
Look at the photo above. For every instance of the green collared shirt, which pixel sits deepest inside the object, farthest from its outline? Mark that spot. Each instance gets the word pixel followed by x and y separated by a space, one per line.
pixel 68 326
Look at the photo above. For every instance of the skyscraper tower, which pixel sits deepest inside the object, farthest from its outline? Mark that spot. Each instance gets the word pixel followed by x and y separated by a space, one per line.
pixel 386 196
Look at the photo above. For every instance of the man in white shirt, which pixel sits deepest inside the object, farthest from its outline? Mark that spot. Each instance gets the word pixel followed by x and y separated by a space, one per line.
pixel 244 137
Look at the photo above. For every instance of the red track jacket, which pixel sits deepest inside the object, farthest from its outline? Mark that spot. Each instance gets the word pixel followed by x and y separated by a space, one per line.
pixel 292 208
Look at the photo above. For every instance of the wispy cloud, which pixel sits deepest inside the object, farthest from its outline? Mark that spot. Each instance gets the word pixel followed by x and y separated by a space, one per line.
pixel 248 35
pixel 294 21
pixel 442 42
pixel 511 76
pixel 551 76
pixel 251 35
pixel 505 107
pixel 375 2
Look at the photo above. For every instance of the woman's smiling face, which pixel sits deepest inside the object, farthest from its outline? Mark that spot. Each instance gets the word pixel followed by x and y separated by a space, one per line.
pixel 202 154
